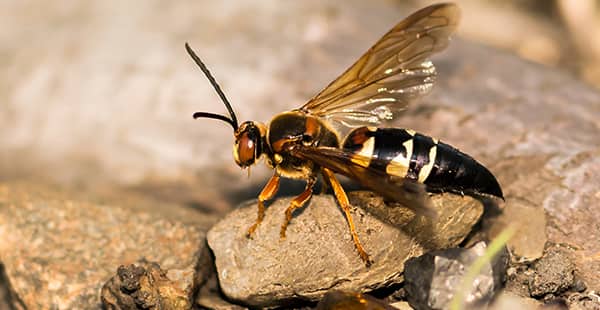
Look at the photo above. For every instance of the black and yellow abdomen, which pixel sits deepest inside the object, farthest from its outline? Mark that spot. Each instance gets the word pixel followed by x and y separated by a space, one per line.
pixel 420 158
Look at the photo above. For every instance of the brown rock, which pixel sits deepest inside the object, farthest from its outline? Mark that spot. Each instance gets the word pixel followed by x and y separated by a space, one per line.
pixel 58 252
pixel 553 274
pixel 145 286
pixel 318 253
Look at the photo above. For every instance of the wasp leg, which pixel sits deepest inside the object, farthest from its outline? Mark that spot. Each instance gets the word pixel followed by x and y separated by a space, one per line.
pixel 342 199
pixel 296 203
pixel 324 185
pixel 267 193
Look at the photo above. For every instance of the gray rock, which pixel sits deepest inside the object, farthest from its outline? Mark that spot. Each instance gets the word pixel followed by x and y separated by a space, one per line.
pixel 318 254
pixel 554 273
pixel 58 252
pixel 431 280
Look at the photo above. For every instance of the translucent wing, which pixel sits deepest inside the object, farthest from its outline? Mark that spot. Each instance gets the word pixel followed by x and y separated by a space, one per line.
pixel 391 73
pixel 409 193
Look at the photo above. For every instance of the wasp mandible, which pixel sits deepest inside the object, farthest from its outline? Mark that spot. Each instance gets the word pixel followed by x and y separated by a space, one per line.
pixel 336 131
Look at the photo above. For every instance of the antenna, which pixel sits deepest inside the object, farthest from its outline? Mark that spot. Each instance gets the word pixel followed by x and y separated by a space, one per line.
pixel 233 120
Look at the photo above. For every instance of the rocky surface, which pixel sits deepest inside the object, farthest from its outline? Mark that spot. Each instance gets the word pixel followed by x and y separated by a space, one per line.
pixel 431 281
pixel 552 280
pixel 58 252
pixel 99 94
pixel 318 254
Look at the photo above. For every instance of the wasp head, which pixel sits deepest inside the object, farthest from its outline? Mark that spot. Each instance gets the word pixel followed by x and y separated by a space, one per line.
pixel 248 146
pixel 249 136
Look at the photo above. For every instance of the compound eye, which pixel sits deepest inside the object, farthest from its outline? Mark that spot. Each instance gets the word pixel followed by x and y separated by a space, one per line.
pixel 246 150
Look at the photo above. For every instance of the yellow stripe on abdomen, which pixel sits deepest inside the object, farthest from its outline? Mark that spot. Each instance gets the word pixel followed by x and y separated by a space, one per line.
pixel 399 164
pixel 426 169
pixel 363 157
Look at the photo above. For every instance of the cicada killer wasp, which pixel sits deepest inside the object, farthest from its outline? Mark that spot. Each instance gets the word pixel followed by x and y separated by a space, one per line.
pixel 399 164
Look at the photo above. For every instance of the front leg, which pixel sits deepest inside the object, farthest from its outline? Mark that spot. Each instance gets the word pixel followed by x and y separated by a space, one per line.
pixel 296 203
pixel 267 193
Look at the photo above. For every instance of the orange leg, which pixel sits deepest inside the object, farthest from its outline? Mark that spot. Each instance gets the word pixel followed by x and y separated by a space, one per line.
pixel 296 203
pixel 342 199
pixel 267 193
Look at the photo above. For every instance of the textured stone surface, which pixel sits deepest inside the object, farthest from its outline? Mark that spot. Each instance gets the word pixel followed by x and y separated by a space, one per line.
pixel 94 92
pixel 554 273
pixel 146 286
pixel 432 280
pixel 318 254
pixel 58 252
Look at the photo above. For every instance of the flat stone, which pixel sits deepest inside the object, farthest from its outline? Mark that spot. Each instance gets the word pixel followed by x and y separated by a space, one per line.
pixel 318 254
pixel 58 252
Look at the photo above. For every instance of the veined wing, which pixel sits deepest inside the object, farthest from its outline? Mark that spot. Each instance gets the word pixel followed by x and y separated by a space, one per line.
pixel 407 192
pixel 390 74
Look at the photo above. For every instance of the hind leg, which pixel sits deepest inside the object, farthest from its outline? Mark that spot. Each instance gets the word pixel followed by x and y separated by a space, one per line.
pixel 342 199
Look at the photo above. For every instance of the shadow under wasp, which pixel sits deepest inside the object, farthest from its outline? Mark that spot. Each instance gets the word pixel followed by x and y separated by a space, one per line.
pixel 399 164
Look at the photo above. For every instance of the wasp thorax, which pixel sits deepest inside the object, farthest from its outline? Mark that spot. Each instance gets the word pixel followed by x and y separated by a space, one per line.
pixel 248 145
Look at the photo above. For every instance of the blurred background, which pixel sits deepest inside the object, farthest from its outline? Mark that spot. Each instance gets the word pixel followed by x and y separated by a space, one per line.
pixel 98 95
